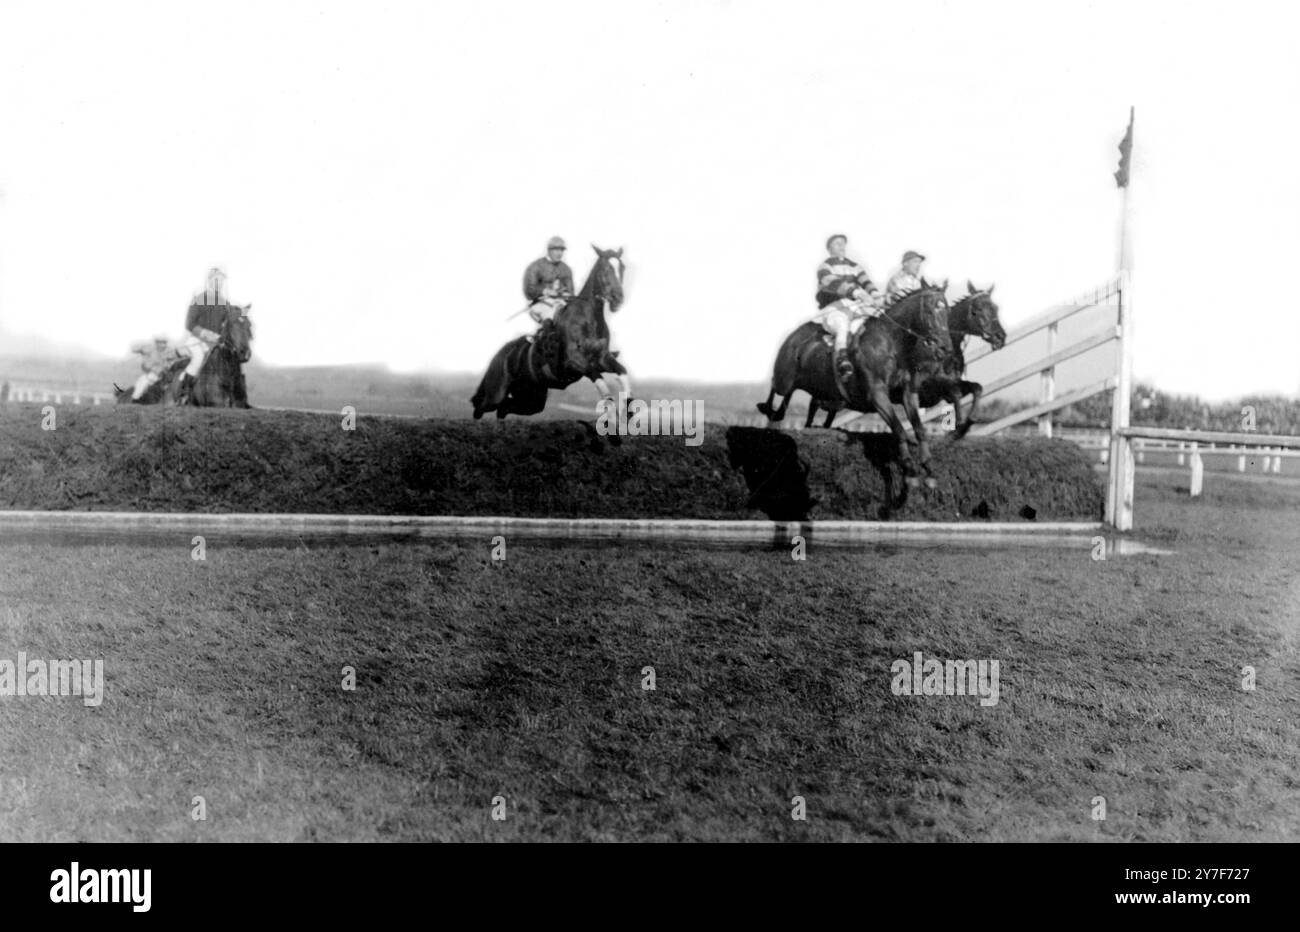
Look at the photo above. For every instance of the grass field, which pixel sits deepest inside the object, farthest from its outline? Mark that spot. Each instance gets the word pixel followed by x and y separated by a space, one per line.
pixel 523 679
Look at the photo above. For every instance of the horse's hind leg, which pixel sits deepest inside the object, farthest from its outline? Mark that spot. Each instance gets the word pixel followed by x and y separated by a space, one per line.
pixel 775 414
pixel 812 413
pixel 830 417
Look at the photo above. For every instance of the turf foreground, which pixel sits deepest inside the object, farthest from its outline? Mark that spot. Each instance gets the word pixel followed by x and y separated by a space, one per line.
pixel 524 679
pixel 162 459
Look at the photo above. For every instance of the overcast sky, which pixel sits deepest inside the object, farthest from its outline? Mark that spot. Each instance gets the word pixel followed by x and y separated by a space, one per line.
pixel 375 177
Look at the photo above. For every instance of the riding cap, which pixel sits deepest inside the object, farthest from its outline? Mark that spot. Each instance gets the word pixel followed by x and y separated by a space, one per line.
pixel 834 238
pixel 555 242
pixel 912 255
pixel 160 338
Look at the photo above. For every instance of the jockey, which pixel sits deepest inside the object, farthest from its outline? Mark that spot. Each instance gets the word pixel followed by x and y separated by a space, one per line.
pixel 907 279
pixel 155 361
pixel 202 323
pixel 844 293
pixel 548 283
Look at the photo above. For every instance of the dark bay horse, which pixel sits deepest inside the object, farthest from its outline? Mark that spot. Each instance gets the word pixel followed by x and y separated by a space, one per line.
pixel 156 393
pixel 521 374
pixel 896 351
pixel 974 315
pixel 220 383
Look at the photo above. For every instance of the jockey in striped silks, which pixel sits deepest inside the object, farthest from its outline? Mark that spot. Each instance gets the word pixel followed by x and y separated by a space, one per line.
pixel 845 292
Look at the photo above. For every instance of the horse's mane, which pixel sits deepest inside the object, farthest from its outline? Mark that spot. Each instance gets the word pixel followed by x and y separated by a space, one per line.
pixel 897 309
pixel 968 298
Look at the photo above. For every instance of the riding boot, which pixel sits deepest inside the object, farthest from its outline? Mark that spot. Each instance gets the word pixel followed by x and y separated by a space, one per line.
pixel 843 364
pixel 183 390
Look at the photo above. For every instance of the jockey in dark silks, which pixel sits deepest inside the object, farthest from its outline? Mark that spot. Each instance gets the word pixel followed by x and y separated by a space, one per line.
pixel 548 283
pixel 203 322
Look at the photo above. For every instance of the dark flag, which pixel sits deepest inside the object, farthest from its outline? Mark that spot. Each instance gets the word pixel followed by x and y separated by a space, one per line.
pixel 1125 153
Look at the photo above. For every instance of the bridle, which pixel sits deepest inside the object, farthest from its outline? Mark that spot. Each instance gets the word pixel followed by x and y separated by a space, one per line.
pixel 617 272
pixel 923 337
pixel 227 343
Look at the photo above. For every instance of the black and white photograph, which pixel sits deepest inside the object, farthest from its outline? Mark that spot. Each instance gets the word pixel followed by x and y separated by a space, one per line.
pixel 671 421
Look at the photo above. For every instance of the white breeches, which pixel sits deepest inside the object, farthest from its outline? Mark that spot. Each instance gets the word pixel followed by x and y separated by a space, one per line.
pixel 544 308
pixel 842 318
pixel 198 349
pixel 142 384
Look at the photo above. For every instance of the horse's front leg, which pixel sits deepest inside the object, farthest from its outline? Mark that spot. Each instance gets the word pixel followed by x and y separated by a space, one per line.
pixel 952 393
pixel 608 395
pixel 879 395
pixel 975 390
pixel 912 406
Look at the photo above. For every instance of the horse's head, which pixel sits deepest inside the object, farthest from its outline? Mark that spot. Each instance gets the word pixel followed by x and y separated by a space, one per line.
pixel 982 316
pixel 237 332
pixel 608 276
pixel 929 318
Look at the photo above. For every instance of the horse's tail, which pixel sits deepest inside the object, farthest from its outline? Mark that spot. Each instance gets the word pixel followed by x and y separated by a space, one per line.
pixel 478 398
pixel 494 386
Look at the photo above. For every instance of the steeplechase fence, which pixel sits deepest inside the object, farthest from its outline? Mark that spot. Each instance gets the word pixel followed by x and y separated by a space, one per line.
pixel 1124 445
pixel 29 391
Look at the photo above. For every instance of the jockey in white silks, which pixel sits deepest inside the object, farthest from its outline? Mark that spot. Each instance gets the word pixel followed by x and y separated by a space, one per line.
pixel 906 280
pixel 845 293
pixel 155 361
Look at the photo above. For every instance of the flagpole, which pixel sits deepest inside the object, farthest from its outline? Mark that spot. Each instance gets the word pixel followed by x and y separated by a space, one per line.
pixel 1119 493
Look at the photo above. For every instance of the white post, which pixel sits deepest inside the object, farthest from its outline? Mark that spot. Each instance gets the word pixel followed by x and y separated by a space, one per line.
pixel 1241 460
pixel 1048 387
pixel 1119 491
pixel 1198 471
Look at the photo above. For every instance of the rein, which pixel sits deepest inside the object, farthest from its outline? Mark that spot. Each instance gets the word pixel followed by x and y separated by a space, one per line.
pixel 920 336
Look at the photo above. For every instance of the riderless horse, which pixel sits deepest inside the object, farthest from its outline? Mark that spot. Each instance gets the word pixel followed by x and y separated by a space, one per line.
pixel 522 373
pixel 896 351
pixel 974 315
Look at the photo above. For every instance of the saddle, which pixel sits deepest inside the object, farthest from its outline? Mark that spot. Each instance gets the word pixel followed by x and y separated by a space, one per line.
pixel 855 327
